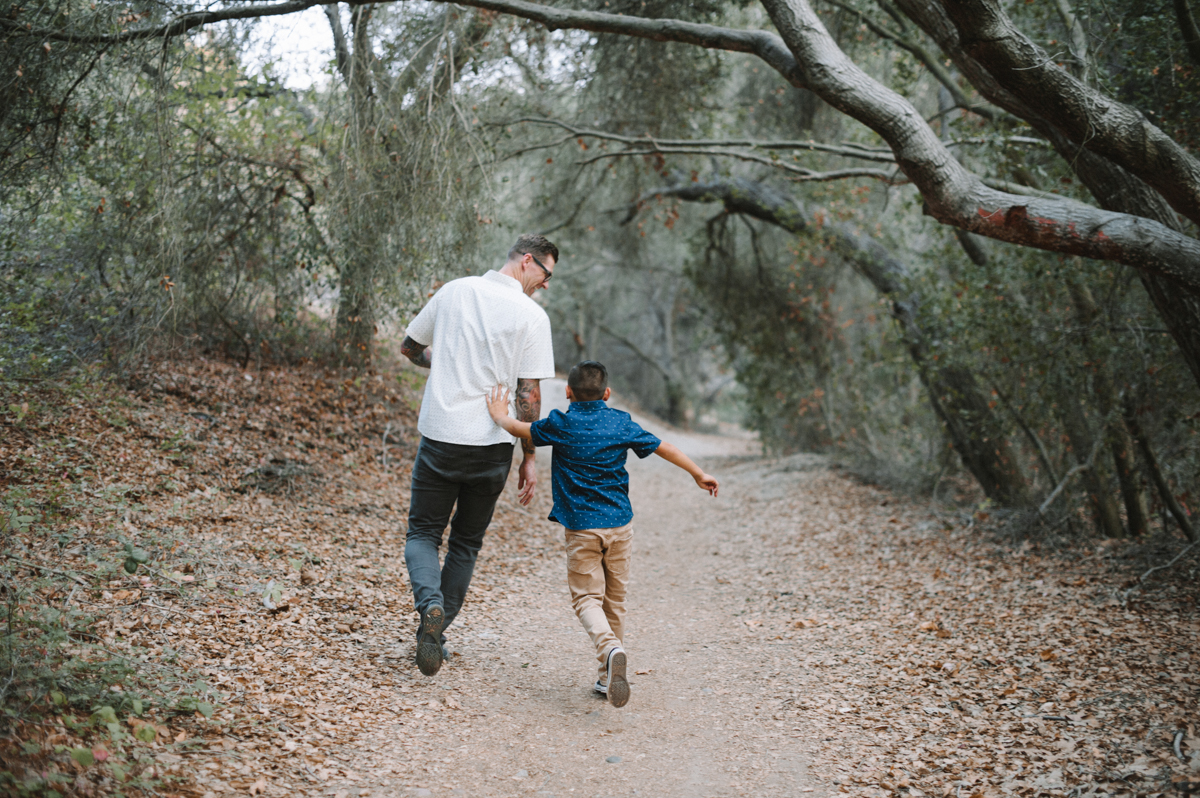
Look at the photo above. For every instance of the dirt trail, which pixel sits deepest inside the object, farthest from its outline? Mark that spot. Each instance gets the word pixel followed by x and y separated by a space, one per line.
pixel 694 726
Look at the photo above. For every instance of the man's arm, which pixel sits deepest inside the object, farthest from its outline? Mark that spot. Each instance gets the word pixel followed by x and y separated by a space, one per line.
pixel 417 353
pixel 529 410
pixel 671 453
pixel 497 402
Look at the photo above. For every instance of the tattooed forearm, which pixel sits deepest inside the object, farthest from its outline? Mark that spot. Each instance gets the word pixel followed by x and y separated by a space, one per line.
pixel 529 407
pixel 417 353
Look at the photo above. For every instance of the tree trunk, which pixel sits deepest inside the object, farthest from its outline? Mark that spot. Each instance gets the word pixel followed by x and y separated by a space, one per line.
pixel 354 336
pixel 1105 513
pixel 1124 459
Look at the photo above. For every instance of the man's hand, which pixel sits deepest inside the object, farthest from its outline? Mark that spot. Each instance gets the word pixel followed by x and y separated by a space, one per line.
pixel 709 483
pixel 497 403
pixel 417 353
pixel 526 479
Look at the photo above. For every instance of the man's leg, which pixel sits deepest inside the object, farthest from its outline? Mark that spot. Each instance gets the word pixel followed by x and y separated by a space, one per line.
pixel 483 481
pixel 433 495
pixel 585 579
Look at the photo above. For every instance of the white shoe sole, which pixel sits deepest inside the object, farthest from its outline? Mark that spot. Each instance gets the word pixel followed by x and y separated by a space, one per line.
pixel 618 685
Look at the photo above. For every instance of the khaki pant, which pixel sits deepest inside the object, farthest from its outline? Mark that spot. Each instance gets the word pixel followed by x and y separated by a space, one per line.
pixel 598 563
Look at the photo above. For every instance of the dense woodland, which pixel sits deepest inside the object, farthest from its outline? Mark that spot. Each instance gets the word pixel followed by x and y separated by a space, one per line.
pixel 953 243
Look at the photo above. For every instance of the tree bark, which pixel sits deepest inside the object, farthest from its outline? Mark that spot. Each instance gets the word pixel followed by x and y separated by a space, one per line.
pixel 1119 132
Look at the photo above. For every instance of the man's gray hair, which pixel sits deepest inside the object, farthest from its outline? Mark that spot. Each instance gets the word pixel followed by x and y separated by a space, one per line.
pixel 536 245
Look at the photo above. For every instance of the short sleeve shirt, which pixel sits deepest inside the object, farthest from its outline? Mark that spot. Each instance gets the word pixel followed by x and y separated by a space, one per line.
pixel 591 485
pixel 481 332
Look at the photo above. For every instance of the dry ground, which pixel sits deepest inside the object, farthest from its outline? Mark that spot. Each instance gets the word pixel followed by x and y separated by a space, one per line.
pixel 803 633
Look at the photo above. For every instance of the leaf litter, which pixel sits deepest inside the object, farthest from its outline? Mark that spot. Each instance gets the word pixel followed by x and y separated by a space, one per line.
pixel 911 654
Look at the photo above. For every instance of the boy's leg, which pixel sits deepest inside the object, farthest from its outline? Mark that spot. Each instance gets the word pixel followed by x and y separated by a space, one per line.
pixel 585 578
pixel 617 561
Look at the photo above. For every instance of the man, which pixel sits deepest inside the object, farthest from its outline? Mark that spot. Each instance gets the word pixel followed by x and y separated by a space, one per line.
pixel 475 333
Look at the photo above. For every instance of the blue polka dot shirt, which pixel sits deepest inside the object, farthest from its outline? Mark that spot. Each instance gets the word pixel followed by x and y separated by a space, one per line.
pixel 591 485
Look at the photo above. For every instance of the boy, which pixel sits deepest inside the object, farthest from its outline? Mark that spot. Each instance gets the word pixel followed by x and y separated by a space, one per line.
pixel 591 501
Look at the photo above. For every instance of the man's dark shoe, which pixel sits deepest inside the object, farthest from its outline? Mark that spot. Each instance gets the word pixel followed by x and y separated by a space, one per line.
pixel 429 640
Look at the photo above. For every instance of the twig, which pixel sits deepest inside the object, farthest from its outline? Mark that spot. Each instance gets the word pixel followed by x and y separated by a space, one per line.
pixel 43 568
pixel 1175 746
pixel 1081 467
pixel 1177 558
pixel 1043 455
pixel 168 609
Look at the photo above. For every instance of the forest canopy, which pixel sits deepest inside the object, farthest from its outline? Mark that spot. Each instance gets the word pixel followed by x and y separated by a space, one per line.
pixel 953 243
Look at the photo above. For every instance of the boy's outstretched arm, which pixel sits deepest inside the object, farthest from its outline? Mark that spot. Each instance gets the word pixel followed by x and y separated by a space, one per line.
pixel 497 404
pixel 671 453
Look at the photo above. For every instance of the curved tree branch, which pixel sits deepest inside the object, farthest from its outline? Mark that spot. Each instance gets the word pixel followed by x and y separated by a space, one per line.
pixel 923 55
pixel 847 149
pixel 1115 188
pixel 955 196
pixel 1117 131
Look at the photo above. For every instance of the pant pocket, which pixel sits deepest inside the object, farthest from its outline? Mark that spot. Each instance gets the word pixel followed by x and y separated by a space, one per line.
pixel 583 554
pixel 619 557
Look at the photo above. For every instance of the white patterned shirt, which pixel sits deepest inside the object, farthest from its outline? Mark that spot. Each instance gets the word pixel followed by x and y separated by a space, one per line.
pixel 481 332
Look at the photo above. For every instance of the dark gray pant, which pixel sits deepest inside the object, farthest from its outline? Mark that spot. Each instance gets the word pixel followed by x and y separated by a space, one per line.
pixel 445 474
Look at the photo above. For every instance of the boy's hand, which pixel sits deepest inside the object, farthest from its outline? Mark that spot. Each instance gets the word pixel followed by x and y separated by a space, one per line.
pixel 709 483
pixel 497 403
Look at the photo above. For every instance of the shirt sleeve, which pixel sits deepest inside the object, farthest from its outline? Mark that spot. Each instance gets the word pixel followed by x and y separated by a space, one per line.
pixel 537 361
pixel 545 432
pixel 420 329
pixel 641 442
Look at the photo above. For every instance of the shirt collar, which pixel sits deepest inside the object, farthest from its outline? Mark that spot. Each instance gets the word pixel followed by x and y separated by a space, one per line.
pixel 504 280
pixel 587 407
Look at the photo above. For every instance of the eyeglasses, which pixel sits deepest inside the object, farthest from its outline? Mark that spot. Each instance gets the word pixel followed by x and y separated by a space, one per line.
pixel 546 271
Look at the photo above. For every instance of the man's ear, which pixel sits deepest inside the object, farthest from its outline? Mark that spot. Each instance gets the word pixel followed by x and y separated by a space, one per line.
pixel 570 396
pixel 607 393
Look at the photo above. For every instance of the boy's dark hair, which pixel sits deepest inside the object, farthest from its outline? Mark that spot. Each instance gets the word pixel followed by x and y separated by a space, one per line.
pixel 534 244
pixel 587 381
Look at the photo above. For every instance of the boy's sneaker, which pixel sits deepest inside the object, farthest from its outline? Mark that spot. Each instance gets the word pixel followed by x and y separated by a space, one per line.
pixel 617 689
pixel 429 640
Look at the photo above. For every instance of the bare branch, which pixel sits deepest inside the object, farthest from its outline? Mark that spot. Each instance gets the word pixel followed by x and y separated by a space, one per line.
pixel 846 149
pixel 801 174
pixel 179 25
